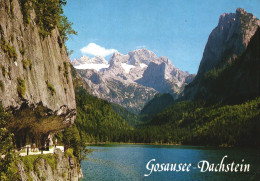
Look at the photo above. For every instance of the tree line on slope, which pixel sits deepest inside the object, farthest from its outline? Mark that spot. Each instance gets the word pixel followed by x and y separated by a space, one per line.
pixel 198 124
pixel 193 123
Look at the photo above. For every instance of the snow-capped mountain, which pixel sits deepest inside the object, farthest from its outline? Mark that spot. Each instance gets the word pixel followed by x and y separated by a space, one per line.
pixel 95 63
pixel 132 79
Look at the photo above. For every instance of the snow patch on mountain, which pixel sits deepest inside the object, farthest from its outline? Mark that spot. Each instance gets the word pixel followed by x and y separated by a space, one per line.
pixel 142 65
pixel 96 63
pixel 127 67
pixel 97 67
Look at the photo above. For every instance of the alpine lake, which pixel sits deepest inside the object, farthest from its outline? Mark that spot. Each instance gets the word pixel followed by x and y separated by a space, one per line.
pixel 170 162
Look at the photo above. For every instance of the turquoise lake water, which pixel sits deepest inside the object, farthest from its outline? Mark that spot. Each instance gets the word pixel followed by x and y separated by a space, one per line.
pixel 128 162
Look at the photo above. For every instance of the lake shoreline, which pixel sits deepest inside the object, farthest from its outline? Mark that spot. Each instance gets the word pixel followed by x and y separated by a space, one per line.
pixel 123 143
pixel 169 144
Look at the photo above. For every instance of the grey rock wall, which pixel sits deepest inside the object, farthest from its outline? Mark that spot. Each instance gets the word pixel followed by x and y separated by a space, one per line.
pixel 37 82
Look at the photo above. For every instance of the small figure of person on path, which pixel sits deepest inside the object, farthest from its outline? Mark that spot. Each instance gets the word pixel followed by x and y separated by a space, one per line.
pixel 56 142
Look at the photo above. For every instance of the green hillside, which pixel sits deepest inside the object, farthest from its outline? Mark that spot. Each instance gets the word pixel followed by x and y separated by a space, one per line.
pixel 97 121
pixel 156 105
pixel 131 118
pixel 195 123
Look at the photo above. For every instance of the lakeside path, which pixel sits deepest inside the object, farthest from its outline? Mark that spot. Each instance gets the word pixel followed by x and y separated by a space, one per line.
pixel 44 152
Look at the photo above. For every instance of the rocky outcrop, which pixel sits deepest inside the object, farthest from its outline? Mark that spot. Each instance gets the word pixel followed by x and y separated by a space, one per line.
pixel 131 80
pixel 61 168
pixel 35 76
pixel 229 39
pixel 236 83
pixel 130 95
pixel 226 43
pixel 154 76
pixel 165 78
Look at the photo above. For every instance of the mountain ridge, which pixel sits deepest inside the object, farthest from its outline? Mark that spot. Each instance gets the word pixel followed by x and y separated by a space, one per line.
pixel 136 75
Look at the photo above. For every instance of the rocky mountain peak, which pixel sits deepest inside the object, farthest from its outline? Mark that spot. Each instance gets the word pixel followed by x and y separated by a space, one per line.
pixel 142 52
pixel 133 74
pixel 226 19
pixel 138 57
pixel 118 57
pixel 98 60
pixel 240 10
pixel 165 60
pixel 84 58
pixel 87 60
pixel 135 57
pixel 141 56
pixel 229 39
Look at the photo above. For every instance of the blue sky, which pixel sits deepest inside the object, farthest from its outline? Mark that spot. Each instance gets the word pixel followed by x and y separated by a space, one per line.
pixel 176 29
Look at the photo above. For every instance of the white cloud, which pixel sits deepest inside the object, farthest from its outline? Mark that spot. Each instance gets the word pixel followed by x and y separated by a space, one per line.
pixel 96 50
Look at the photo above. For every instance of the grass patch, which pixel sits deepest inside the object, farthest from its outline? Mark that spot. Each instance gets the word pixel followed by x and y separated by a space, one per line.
pixel 69 152
pixel 12 38
pixel 66 70
pixel 25 7
pixel 51 88
pixel 12 173
pixel 59 68
pixel 31 160
pixel 27 63
pixel 28 162
pixel 21 89
pixel 22 51
pixel 10 74
pixel 3 71
pixel 2 85
pixel 9 49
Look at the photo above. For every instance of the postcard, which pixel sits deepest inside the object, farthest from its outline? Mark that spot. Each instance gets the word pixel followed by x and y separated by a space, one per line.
pixel 129 90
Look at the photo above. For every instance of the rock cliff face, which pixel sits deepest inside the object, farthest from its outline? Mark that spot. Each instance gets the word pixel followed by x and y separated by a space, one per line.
pixel 236 83
pixel 131 80
pixel 35 76
pixel 225 45
pixel 229 39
